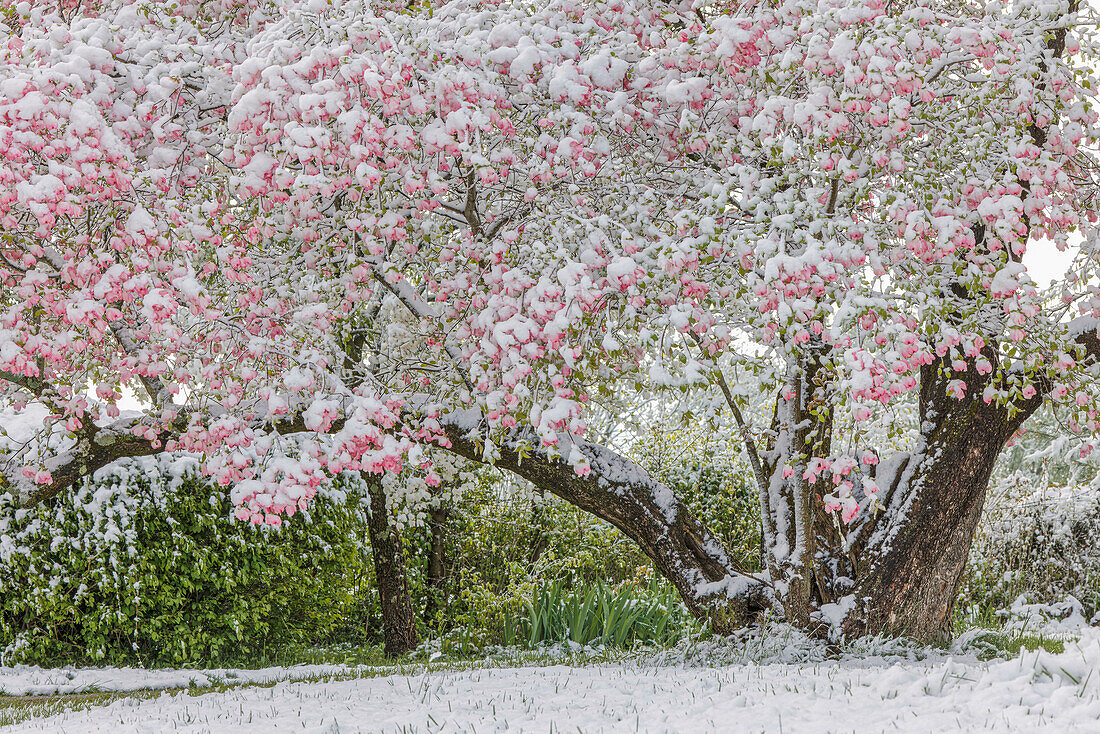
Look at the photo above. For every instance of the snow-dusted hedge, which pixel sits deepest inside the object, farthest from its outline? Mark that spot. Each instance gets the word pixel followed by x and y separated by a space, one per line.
pixel 1038 544
pixel 145 563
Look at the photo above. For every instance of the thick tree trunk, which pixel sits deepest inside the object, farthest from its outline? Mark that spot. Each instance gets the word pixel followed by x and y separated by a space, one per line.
pixel 917 556
pixel 912 556
pixel 398 623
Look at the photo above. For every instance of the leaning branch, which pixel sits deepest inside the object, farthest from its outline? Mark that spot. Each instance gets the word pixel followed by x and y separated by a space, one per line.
pixel 647 511
pixel 94 448
pixel 33 385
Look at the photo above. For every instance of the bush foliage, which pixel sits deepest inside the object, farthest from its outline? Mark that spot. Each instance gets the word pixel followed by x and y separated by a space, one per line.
pixel 501 543
pixel 1037 540
pixel 146 565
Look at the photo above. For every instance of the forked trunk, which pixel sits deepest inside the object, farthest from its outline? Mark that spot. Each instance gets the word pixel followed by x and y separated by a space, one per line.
pixel 911 557
pixel 398 623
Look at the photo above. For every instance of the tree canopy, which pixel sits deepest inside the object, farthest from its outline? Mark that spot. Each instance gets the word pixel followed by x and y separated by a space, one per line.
pixel 343 236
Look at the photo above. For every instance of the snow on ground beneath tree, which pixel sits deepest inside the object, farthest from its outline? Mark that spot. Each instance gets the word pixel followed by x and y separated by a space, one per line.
pixel 1036 692
pixel 30 680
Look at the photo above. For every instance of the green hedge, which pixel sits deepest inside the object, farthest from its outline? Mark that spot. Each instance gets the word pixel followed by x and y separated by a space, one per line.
pixel 146 565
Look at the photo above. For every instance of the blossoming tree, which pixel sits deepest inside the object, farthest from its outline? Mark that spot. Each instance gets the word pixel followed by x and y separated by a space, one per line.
pixel 323 236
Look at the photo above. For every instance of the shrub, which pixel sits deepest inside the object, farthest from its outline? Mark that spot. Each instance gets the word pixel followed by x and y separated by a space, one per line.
pixel 1036 541
pixel 501 542
pixel 706 472
pixel 505 545
pixel 145 564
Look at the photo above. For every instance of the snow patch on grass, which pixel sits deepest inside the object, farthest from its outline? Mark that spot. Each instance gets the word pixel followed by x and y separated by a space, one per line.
pixel 31 680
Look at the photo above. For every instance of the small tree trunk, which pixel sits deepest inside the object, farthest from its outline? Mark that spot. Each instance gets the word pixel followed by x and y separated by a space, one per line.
pixel 802 427
pixel 539 539
pixel 398 623
pixel 437 570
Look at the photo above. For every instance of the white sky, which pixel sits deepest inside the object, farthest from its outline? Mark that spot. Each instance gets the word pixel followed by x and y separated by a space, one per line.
pixel 1045 264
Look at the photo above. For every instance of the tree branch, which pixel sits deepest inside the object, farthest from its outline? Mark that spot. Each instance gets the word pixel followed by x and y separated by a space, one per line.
pixel 421 309
pixel 623 494
pixel 32 385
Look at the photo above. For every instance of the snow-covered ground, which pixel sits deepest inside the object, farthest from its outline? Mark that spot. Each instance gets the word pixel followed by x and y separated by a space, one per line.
pixel 28 680
pixel 1036 692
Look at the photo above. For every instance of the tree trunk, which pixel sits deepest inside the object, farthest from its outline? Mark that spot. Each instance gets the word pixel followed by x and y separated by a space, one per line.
pixel 897 571
pixel 437 570
pixel 398 623
pixel 912 556
pixel 918 554
pixel 539 538
pixel 802 427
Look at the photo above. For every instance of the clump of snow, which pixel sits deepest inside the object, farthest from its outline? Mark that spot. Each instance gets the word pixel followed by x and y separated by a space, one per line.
pixel 833 614
pixel 1076 669
pixel 778 643
pixel 1059 619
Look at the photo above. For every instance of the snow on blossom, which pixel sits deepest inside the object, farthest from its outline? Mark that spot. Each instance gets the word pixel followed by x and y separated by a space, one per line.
pixel 517 211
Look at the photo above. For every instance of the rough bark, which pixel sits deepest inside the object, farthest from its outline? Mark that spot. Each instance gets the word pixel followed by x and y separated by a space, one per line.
pixel 398 623
pixel 913 555
pixel 436 575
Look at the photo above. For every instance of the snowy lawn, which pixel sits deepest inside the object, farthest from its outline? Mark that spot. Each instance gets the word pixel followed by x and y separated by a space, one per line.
pixel 1035 692
pixel 25 680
